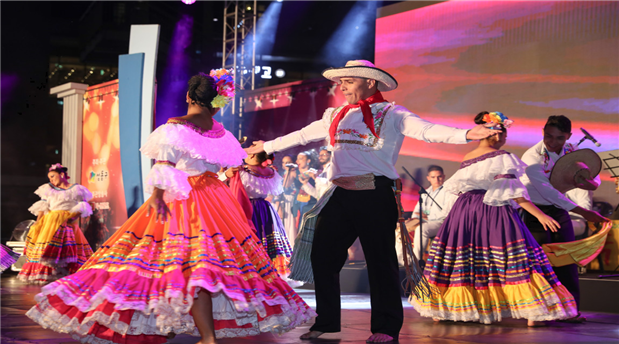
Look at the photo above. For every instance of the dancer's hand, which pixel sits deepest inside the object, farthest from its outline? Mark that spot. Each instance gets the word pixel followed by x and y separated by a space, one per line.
pixel 548 222
pixel 482 131
pixel 161 209
pixel 303 178
pixel 257 147
pixel 231 171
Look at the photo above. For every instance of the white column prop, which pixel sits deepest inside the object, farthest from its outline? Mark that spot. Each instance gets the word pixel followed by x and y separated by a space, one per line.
pixel 72 95
pixel 145 39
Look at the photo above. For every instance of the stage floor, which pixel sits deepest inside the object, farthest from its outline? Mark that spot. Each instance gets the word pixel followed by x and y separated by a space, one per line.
pixel 17 298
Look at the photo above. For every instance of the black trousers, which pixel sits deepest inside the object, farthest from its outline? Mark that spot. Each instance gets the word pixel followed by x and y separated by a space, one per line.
pixel 370 215
pixel 568 274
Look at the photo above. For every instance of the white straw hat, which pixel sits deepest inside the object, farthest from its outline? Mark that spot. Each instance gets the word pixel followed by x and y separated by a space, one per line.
pixel 362 69
pixel 576 170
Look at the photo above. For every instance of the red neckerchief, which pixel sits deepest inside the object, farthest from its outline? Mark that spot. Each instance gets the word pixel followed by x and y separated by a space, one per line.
pixel 368 118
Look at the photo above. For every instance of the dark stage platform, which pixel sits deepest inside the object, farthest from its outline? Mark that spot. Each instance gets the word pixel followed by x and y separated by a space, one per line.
pixel 18 297
pixel 597 295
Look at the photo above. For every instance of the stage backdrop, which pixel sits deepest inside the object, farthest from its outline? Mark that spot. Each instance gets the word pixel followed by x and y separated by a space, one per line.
pixel 101 170
pixel 528 59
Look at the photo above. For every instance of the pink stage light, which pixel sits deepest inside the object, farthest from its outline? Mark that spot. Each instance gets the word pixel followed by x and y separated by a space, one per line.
pixel 188 2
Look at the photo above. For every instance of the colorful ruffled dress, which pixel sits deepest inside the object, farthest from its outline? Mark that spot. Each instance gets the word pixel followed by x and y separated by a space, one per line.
pixel 56 246
pixel 484 263
pixel 268 225
pixel 141 284
pixel 7 257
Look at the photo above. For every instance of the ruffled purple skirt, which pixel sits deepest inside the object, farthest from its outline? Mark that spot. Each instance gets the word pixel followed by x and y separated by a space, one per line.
pixel 485 264
pixel 7 257
pixel 272 234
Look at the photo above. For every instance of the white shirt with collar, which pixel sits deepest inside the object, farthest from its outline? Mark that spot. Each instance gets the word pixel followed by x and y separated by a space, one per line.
pixel 357 151
pixel 430 208
pixel 537 177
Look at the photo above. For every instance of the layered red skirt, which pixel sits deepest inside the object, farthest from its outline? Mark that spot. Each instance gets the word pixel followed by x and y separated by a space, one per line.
pixel 141 284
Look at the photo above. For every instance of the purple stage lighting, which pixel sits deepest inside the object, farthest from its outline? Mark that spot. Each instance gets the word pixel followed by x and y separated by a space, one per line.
pixel 188 2
pixel 173 86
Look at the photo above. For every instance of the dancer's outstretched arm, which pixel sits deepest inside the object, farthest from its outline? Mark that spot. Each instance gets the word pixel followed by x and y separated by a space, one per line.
pixel 415 127
pixel 315 131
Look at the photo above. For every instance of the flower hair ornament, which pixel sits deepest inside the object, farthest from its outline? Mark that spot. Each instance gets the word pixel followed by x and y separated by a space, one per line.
pixel 267 162
pixel 498 118
pixel 59 168
pixel 225 87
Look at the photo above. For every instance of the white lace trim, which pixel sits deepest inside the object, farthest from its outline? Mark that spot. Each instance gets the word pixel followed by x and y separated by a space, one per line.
pixel 257 187
pixel 162 318
pixel 224 151
pixel 38 207
pixel 174 302
pixel 83 208
pixel 74 193
pixel 173 181
pixel 480 175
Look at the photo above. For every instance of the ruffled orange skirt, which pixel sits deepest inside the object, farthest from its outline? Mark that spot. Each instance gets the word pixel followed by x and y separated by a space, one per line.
pixel 140 285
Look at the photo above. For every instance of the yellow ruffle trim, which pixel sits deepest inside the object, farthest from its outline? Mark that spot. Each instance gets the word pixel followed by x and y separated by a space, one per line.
pixel 535 300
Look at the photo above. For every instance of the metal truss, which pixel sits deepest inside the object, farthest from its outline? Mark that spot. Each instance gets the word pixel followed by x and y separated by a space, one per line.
pixel 239 54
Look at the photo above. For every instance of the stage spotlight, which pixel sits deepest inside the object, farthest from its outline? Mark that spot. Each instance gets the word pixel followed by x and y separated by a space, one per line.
pixel 280 0
pixel 188 2
pixel 351 37
pixel 280 73
pixel 266 29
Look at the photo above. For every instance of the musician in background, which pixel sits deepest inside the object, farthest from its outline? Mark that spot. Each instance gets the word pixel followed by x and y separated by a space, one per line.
pixel 431 217
pixel 285 201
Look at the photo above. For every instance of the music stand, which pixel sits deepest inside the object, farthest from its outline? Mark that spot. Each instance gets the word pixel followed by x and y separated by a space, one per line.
pixel 421 192
pixel 611 160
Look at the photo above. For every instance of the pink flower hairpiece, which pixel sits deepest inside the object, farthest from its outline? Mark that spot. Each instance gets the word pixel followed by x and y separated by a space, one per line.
pixel 225 87
pixel 56 167
pixel 267 162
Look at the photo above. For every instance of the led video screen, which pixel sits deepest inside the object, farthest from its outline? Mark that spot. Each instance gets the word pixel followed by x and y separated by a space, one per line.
pixel 527 59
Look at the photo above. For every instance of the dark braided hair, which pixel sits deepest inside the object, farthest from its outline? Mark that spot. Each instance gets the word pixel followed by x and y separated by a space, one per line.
pixel 263 156
pixel 202 90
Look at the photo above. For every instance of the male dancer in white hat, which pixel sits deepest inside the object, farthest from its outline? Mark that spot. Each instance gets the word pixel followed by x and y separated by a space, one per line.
pixel 365 137
pixel 541 159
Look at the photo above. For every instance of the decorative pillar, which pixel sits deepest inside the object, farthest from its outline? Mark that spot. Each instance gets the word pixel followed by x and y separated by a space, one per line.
pixel 72 95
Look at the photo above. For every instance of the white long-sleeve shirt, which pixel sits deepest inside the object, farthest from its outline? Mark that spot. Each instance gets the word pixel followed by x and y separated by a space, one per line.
pixel 430 208
pixel 357 151
pixel 582 198
pixel 322 184
pixel 537 177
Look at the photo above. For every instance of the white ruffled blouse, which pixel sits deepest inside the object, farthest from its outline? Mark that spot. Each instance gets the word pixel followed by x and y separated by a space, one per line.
pixel 497 172
pixel 74 199
pixel 181 149
pixel 258 186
